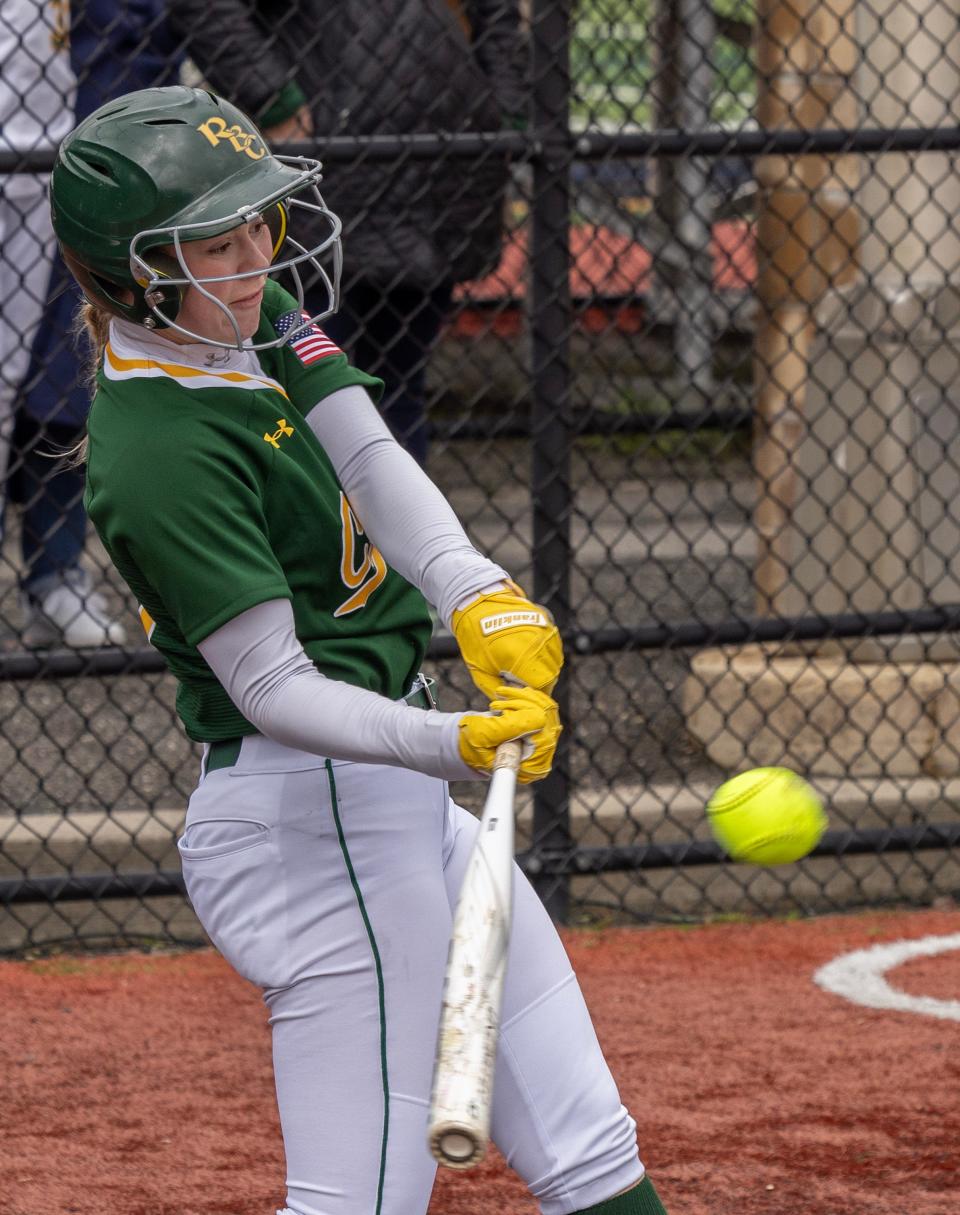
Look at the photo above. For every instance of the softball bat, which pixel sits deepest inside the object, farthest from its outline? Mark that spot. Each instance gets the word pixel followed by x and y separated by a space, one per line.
pixel 459 1125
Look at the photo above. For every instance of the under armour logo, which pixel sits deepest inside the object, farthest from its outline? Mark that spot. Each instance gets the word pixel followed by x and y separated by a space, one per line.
pixel 283 430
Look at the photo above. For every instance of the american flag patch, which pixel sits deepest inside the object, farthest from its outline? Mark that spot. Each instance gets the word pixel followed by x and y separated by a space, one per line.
pixel 310 345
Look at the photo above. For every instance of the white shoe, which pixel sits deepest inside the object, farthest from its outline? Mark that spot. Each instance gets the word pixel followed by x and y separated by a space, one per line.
pixel 70 614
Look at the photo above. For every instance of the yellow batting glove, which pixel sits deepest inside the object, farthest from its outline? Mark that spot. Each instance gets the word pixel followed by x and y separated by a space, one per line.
pixel 515 713
pixel 502 635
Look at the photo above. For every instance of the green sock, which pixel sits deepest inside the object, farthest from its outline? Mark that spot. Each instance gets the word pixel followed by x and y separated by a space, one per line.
pixel 641 1200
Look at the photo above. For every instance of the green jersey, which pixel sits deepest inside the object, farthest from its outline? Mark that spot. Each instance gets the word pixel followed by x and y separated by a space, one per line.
pixel 211 494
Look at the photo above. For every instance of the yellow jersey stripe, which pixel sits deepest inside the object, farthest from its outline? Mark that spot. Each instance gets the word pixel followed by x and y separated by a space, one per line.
pixel 149 624
pixel 118 368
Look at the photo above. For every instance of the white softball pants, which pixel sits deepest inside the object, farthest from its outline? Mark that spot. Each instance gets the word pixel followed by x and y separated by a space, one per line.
pixel 330 885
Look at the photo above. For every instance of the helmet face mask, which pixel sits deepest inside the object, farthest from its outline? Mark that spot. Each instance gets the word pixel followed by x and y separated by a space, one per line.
pixel 151 171
pixel 164 278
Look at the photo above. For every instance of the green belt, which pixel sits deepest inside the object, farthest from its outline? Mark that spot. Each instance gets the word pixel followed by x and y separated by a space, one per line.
pixel 226 752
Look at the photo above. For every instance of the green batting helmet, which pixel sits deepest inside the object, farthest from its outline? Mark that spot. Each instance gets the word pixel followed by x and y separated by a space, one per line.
pixel 162 166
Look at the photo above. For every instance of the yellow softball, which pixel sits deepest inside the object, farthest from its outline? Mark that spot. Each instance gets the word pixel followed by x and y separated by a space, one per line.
pixel 767 816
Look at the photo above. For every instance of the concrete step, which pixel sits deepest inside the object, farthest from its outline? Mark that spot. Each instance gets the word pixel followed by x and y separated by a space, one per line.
pixel 138 841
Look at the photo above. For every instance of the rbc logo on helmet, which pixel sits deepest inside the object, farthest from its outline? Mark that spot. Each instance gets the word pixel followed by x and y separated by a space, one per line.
pixel 216 131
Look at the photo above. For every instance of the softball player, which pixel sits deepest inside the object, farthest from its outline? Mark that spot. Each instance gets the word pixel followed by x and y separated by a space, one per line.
pixel 283 548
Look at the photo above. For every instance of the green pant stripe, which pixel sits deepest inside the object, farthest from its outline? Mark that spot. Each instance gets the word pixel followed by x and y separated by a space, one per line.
pixel 380 993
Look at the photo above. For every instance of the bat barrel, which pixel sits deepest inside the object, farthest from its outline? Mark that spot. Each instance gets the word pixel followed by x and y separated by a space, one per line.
pixel 459 1125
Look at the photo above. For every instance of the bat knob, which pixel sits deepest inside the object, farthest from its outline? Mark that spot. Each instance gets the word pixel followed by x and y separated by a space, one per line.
pixel 456 1148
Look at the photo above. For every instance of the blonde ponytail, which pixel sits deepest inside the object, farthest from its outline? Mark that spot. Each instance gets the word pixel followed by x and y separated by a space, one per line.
pixel 93 321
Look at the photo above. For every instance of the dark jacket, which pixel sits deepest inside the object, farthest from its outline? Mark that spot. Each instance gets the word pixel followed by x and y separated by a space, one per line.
pixel 380 67
pixel 118 47
pixel 114 48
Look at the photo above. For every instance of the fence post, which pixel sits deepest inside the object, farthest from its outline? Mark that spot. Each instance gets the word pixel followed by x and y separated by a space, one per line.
pixel 807 237
pixel 550 428
pixel 682 85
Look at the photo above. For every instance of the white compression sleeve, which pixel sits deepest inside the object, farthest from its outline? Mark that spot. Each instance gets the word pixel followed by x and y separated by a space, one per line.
pixel 268 676
pixel 401 510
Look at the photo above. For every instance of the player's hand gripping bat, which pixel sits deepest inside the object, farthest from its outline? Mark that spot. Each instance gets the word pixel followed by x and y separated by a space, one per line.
pixel 459 1126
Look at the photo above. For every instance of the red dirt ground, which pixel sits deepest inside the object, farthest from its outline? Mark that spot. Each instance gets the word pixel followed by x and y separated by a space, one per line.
pixel 140 1084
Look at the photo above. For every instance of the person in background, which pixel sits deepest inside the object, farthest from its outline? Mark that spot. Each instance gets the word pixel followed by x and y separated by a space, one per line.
pixel 415 227
pixel 110 49
pixel 37 88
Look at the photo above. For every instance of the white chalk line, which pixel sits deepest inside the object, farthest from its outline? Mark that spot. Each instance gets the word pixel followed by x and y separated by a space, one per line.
pixel 859 976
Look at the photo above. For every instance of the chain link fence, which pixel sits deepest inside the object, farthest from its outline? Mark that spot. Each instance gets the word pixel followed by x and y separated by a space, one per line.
pixel 667 299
